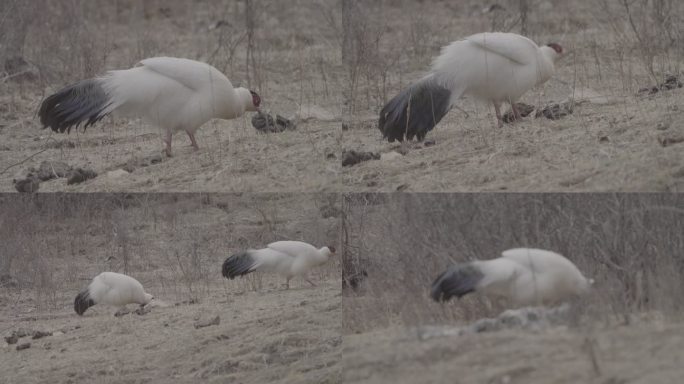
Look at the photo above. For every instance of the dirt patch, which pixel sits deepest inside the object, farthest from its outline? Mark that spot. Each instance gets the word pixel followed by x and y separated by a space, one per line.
pixel 646 353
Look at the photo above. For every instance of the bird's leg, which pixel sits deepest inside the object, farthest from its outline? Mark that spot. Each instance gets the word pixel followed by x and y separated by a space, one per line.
pixel 497 109
pixel 192 140
pixel 516 113
pixel 309 281
pixel 167 140
pixel 287 283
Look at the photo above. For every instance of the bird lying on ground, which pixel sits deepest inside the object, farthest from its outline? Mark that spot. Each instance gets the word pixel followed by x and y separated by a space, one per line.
pixel 286 258
pixel 525 276
pixel 114 289
pixel 171 93
pixel 495 67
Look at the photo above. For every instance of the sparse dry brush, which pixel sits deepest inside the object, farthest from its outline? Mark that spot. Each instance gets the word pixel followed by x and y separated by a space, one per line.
pixel 631 244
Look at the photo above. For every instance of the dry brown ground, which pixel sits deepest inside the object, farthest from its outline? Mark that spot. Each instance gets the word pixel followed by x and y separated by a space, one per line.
pixel 609 143
pixel 174 244
pixel 643 353
pixel 297 72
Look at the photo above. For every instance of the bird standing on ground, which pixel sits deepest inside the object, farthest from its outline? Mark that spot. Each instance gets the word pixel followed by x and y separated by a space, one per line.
pixel 496 67
pixel 525 276
pixel 287 258
pixel 114 289
pixel 171 93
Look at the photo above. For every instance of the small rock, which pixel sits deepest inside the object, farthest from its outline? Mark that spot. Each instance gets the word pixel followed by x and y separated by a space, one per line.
pixel 666 139
pixel 40 334
pixel 351 157
pixel 429 143
pixel 206 323
pixel 28 185
pixel 662 126
pixel 402 187
pixel 345 126
pixel 11 339
pixel 144 310
pixel 80 175
pixel 284 124
pixel 53 170
pixel 23 346
pixel 604 139
pixel 555 111
pixel 671 82
pixel 303 303
pixel 523 109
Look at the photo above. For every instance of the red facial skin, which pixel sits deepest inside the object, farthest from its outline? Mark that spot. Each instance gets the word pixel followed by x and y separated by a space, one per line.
pixel 256 100
pixel 556 47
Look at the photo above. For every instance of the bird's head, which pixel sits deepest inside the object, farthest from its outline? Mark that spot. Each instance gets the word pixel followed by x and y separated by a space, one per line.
pixel 556 51
pixel 148 299
pixel 256 101
pixel 329 250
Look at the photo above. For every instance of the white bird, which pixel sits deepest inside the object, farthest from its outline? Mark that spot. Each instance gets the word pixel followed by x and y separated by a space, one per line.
pixel 496 67
pixel 287 258
pixel 525 276
pixel 114 289
pixel 171 93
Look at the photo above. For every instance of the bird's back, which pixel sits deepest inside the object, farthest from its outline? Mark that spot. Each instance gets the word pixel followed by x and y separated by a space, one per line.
pixel 115 288
pixel 172 93
pixel 491 66
pixel 547 277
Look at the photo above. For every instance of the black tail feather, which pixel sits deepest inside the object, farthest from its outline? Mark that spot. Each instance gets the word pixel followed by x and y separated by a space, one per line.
pixel 83 302
pixel 238 264
pixel 84 101
pixel 458 281
pixel 414 111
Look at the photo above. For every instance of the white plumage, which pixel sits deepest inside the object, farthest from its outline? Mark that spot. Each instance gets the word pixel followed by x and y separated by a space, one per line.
pixel 496 67
pixel 287 258
pixel 171 93
pixel 525 276
pixel 113 289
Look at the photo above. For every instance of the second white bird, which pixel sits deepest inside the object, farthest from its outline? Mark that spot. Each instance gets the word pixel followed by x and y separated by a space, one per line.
pixel 287 258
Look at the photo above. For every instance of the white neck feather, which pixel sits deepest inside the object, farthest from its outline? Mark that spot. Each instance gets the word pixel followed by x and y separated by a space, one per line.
pixel 245 99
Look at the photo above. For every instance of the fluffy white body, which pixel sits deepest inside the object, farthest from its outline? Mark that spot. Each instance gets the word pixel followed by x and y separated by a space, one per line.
pixel 173 94
pixel 525 276
pixel 496 67
pixel 286 258
pixel 113 289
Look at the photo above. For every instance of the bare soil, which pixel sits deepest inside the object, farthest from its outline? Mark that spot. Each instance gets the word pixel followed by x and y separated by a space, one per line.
pixel 642 353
